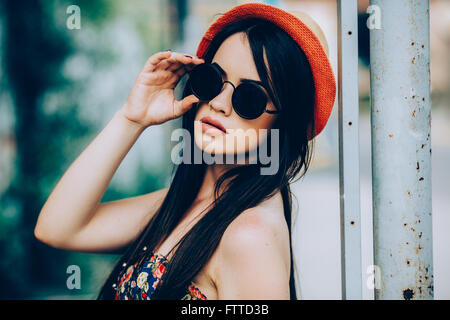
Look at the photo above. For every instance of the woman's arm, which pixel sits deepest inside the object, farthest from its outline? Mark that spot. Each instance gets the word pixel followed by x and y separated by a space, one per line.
pixel 72 217
pixel 75 199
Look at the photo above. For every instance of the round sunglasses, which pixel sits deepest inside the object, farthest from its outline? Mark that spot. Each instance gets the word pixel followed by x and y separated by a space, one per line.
pixel 249 99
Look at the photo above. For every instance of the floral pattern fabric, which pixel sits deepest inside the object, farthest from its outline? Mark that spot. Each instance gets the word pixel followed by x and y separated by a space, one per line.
pixel 139 281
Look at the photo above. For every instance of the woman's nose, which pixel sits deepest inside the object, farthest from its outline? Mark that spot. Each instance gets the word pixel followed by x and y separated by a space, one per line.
pixel 222 102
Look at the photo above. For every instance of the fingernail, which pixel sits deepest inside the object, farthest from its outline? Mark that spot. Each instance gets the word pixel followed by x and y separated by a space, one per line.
pixel 186 55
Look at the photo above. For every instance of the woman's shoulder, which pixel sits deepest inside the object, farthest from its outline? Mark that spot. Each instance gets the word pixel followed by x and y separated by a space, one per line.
pixel 255 243
pixel 262 228
pixel 262 220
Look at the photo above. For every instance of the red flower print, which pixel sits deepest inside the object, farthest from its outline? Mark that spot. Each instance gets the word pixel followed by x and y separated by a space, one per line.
pixel 155 284
pixel 196 293
pixel 159 270
pixel 126 276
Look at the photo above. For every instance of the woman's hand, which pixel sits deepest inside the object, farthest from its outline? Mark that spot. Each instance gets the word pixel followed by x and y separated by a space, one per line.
pixel 151 100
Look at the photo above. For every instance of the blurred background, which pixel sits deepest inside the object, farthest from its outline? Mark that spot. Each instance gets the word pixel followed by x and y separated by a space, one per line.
pixel 60 86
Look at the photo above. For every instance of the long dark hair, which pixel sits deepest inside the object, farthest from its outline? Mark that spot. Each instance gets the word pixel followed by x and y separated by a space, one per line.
pixel 291 88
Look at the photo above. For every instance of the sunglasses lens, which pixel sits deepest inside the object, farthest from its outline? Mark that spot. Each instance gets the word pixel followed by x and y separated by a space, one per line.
pixel 249 100
pixel 206 82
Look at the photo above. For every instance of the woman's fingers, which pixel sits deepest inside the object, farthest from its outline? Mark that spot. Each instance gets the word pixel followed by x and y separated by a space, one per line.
pixel 167 60
pixel 180 107
pixel 183 69
pixel 177 63
pixel 180 71
pixel 163 65
pixel 174 66
pixel 176 75
pixel 155 59
pixel 178 59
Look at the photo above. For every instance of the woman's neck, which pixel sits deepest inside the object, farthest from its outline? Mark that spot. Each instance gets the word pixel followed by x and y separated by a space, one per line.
pixel 213 172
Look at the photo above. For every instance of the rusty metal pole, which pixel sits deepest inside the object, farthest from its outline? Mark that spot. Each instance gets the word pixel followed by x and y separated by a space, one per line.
pixel 349 150
pixel 401 149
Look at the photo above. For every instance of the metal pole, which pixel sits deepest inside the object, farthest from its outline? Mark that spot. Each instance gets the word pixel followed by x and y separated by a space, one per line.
pixel 349 150
pixel 401 149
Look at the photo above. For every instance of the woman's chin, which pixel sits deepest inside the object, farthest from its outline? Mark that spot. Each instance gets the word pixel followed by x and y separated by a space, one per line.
pixel 216 153
pixel 210 147
pixel 218 147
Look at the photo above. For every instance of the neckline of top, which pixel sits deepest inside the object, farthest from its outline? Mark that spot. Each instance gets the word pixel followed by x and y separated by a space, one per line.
pixel 164 258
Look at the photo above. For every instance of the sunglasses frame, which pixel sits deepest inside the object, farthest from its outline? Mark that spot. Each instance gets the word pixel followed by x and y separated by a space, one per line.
pixel 245 81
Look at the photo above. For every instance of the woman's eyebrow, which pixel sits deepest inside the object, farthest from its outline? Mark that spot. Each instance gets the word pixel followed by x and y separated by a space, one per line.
pixel 241 79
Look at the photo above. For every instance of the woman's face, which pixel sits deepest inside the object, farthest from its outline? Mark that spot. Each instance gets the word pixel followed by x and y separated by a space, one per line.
pixel 234 56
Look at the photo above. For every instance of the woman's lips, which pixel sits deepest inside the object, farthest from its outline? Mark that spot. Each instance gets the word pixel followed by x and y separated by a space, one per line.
pixel 208 124
pixel 207 128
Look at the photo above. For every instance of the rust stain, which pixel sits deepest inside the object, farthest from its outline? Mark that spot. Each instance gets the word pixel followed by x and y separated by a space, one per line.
pixel 408 294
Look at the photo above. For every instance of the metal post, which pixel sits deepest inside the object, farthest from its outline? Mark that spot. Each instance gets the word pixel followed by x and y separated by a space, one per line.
pixel 401 149
pixel 349 149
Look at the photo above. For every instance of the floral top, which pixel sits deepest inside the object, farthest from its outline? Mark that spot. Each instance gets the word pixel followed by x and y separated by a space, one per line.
pixel 140 280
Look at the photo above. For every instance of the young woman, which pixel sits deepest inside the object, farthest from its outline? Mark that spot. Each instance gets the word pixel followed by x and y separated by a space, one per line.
pixel 221 230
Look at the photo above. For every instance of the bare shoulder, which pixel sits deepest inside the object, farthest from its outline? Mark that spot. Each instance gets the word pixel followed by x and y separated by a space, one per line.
pixel 266 220
pixel 258 228
pixel 256 243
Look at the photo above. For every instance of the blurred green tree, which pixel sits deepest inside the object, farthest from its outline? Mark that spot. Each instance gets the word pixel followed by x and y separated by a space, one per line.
pixel 35 46
pixel 33 53
pixel 55 78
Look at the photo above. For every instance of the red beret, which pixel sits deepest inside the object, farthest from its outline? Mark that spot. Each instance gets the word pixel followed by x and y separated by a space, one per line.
pixel 324 81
